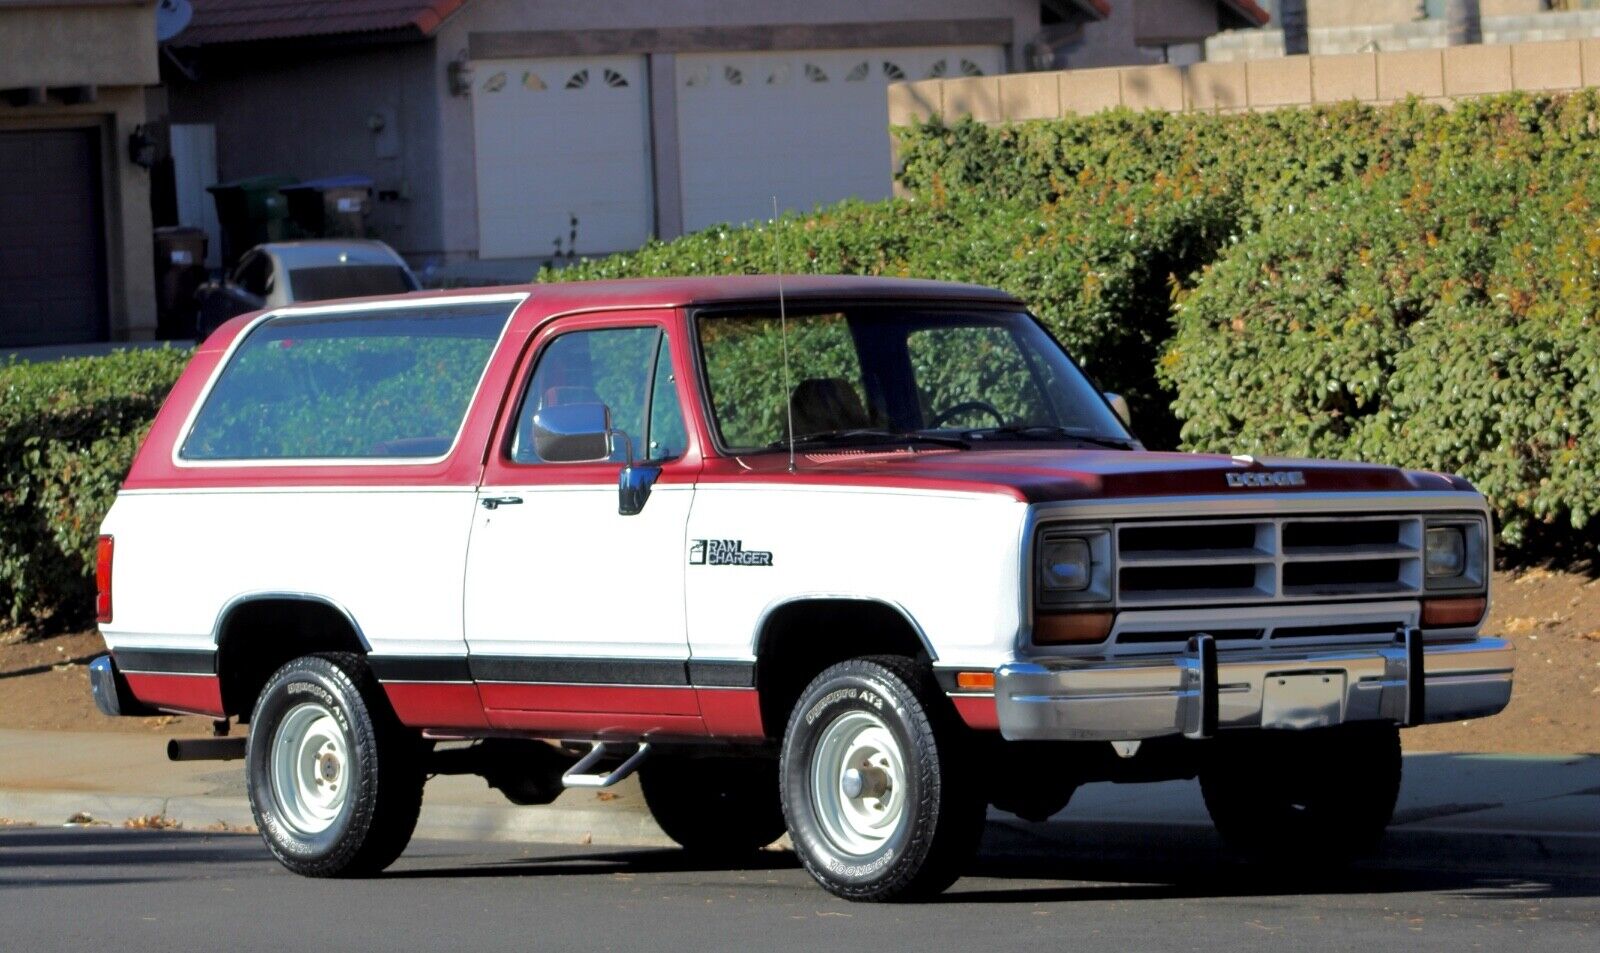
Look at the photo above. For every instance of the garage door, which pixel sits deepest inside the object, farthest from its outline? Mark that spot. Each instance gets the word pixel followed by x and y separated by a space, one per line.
pixel 808 127
pixel 52 245
pixel 559 139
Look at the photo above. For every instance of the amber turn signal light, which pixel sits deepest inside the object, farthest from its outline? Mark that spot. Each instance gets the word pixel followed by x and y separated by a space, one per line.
pixel 1066 628
pixel 1456 611
pixel 975 681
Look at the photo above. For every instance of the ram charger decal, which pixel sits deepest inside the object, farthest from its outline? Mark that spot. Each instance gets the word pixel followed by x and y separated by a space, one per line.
pixel 726 552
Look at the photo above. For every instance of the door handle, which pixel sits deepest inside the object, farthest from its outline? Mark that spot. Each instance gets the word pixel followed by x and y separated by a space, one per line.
pixel 495 502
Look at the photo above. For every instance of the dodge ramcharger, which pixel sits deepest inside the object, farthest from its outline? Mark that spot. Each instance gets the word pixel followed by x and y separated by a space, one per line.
pixel 851 559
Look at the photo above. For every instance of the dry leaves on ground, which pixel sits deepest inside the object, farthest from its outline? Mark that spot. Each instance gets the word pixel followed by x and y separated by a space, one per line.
pixel 152 822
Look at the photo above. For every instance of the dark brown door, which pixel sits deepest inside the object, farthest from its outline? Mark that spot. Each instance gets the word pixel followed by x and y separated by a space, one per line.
pixel 52 238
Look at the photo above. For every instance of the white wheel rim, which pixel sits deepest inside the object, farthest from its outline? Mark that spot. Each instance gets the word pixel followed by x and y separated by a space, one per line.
pixel 858 784
pixel 310 769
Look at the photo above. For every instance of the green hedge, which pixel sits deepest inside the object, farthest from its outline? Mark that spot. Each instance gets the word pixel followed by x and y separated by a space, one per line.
pixel 1445 321
pixel 68 432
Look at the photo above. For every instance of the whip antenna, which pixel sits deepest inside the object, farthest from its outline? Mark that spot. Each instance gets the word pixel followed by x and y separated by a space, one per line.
pixel 783 332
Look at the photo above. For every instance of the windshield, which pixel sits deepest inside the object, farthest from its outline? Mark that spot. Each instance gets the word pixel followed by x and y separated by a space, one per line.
pixel 349 281
pixel 893 374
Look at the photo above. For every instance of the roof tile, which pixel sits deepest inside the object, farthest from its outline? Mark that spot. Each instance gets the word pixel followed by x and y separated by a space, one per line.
pixel 244 21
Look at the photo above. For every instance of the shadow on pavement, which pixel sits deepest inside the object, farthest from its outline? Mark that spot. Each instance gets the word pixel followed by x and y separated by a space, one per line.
pixel 1108 862
pixel 601 861
pixel 1093 877
pixel 68 856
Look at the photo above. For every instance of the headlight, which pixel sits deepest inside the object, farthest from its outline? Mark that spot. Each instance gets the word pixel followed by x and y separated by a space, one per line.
pixel 1065 565
pixel 1445 554
pixel 1072 568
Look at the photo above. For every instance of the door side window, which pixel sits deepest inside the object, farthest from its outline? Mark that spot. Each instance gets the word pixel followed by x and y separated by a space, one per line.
pixel 254 275
pixel 627 369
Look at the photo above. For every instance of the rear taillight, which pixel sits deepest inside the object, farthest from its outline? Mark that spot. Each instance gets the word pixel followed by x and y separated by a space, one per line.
pixel 102 579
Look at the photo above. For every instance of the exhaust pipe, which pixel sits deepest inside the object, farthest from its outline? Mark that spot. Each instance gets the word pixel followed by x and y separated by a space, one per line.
pixel 206 749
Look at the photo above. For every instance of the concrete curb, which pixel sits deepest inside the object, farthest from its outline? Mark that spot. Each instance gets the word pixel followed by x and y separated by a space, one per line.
pixel 563 825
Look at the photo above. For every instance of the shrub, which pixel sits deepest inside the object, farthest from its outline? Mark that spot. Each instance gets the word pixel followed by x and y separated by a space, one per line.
pixel 1098 266
pixel 1443 321
pixel 68 432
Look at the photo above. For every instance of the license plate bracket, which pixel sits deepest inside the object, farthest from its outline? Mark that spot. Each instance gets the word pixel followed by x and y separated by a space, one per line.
pixel 1301 700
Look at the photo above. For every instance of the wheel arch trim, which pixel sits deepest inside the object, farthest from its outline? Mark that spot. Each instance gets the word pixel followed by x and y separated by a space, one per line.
pixel 760 634
pixel 270 595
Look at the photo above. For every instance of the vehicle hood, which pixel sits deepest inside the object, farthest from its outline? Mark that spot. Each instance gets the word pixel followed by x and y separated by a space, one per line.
pixel 1039 475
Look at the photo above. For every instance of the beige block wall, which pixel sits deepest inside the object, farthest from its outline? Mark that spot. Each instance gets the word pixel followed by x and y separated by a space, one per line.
pixel 1436 75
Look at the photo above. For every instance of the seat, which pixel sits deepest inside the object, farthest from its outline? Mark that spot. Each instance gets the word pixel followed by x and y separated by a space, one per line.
pixel 823 404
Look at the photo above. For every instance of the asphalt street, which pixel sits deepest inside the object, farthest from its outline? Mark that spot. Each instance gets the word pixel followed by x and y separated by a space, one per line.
pixel 1123 887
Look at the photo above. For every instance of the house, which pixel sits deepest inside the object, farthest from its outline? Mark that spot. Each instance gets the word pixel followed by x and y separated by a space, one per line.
pixel 502 133
pixel 75 225
pixel 1387 26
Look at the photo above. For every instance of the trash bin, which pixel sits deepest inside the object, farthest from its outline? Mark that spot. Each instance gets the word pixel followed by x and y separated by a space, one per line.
pixel 250 211
pixel 180 269
pixel 334 207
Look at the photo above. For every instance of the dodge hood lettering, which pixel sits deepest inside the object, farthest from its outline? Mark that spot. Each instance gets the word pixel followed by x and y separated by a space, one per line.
pixel 1268 479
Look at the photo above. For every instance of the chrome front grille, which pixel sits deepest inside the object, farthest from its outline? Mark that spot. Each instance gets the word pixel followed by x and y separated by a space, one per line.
pixel 1268 559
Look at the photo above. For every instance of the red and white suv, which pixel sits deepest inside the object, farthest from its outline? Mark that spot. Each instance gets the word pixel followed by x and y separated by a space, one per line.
pixel 854 560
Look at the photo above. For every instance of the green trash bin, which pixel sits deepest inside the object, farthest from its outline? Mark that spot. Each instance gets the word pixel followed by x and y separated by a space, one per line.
pixel 251 211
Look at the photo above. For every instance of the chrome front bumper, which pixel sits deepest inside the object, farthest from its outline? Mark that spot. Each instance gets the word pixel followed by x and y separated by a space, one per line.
pixel 1198 693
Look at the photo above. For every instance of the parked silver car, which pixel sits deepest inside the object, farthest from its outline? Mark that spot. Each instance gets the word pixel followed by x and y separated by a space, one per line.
pixel 280 273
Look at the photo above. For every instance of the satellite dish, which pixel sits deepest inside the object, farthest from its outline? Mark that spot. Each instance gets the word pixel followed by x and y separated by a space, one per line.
pixel 171 18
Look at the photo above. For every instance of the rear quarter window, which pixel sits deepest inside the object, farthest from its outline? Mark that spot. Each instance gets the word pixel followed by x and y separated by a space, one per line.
pixel 382 384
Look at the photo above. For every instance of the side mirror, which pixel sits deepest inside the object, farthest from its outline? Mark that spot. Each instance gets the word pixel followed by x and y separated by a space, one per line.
pixel 1120 405
pixel 633 487
pixel 573 433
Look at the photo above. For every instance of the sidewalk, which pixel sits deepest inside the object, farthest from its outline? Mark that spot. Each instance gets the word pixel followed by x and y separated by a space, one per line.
pixel 1505 813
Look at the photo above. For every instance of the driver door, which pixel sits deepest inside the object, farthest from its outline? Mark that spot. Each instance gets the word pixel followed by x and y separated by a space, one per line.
pixel 574 613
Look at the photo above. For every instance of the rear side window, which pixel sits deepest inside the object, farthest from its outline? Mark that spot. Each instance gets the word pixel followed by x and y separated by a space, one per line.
pixel 380 384
pixel 348 281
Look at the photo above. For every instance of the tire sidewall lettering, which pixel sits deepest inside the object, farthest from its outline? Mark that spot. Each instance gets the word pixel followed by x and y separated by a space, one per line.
pixel 284 696
pixel 856 694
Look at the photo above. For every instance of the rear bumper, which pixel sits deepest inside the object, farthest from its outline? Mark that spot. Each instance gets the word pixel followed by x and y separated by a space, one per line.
pixel 1197 693
pixel 110 690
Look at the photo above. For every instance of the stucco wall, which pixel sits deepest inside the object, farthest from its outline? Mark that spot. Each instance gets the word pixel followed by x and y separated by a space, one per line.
pixel 112 48
pixel 313 116
pixel 79 45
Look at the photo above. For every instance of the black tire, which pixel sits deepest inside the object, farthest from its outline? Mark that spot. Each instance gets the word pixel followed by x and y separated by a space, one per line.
pixel 384 776
pixel 940 817
pixel 1297 799
pixel 720 809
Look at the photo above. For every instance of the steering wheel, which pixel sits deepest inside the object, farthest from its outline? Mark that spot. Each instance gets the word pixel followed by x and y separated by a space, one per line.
pixel 966 406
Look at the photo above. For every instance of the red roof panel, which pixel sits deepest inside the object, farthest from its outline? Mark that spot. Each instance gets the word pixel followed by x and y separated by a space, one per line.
pixel 244 21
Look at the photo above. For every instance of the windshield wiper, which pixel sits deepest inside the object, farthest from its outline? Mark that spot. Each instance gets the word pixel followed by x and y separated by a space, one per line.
pixel 871 436
pixel 1047 432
